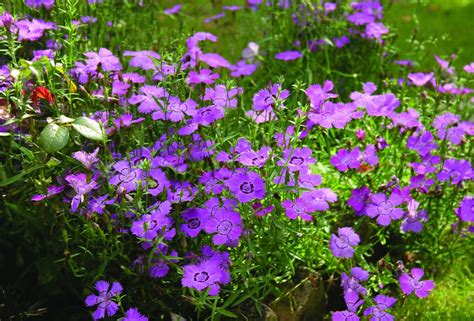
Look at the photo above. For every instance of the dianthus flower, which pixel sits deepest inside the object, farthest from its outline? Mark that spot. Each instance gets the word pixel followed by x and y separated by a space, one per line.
pixel 413 218
pixel 456 171
pixel 352 282
pixel 296 208
pixel 194 221
pixel 352 302
pixel 412 283
pixel 104 301
pixel 246 186
pixel 269 97
pixel 341 245
pixel 297 159
pixel 385 209
pixel 378 312
pixel 142 59
pixel 226 227
pixel 465 211
pixel 423 143
pixel 133 314
pixel 207 274
pixel 345 159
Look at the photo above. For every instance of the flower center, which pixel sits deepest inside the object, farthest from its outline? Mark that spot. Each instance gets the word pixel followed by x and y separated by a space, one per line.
pixel 342 242
pixel 296 160
pixel 385 208
pixel 201 277
pixel 247 188
pixel 224 227
pixel 194 223
pixel 127 175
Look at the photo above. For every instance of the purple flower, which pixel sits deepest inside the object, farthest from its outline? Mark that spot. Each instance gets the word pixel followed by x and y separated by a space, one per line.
pixel 38 54
pixel 272 97
pixel 175 110
pixel 246 186
pixel 148 226
pixel 465 211
pixel 413 218
pixel 369 155
pixel 469 68
pixel 147 98
pixel 375 30
pixel 378 312
pixel 133 314
pixel 103 60
pixel 252 158
pixel 215 17
pixel 317 94
pixel 351 283
pixel 142 59
pixel 36 4
pixel 336 115
pixel 221 96
pixel 127 177
pixel 242 69
pixel 173 10
pixel 194 221
pixel 341 244
pixel 297 159
pixel 423 143
pixel 318 199
pixel 205 76
pixel 345 159
pixel 410 283
pixel 226 227
pixel 352 302
pixel 295 209
pixel 104 302
pixel 32 30
pixel 97 204
pixel 359 200
pixel 207 274
pixel 444 65
pixel 80 185
pixel 385 209
pixel 456 171
pixel 214 60
pixel 420 79
pixel 288 55
pixel 52 190
pixel 87 159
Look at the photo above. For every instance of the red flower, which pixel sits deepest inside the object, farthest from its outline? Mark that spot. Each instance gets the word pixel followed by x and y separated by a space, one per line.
pixel 41 93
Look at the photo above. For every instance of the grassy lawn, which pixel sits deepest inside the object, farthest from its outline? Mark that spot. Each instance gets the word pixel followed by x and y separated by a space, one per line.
pixel 451 22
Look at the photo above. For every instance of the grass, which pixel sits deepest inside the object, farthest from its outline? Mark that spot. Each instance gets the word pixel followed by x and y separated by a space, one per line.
pixel 445 25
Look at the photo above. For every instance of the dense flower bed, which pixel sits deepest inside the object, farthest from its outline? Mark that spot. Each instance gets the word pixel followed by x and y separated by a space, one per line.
pixel 180 182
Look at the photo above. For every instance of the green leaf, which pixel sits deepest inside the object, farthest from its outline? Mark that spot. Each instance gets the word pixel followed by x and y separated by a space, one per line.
pixel 53 138
pixel 88 128
pixel 227 313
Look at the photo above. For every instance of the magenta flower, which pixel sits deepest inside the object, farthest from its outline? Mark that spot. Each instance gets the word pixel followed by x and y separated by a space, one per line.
pixel 32 30
pixel 296 208
pixel 242 69
pixel 252 158
pixel 456 171
pixel 420 79
pixel 87 159
pixel 319 199
pixel 272 97
pixel 469 68
pixel 359 200
pixel 52 190
pixel 345 159
pixel 142 59
pixel 412 283
pixel 133 314
pixel 207 274
pixel 194 221
pixel 341 245
pixel 103 60
pixel 351 283
pixel 318 94
pixel 127 177
pixel 353 302
pixel 226 227
pixel 423 143
pixel 104 301
pixel 385 209
pixel 246 186
pixel 288 55
pixel 204 76
pixel 156 223
pixel 413 220
pixel 173 10
pixel 465 211
pixel 297 159
pixel 81 187
pixel 378 312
